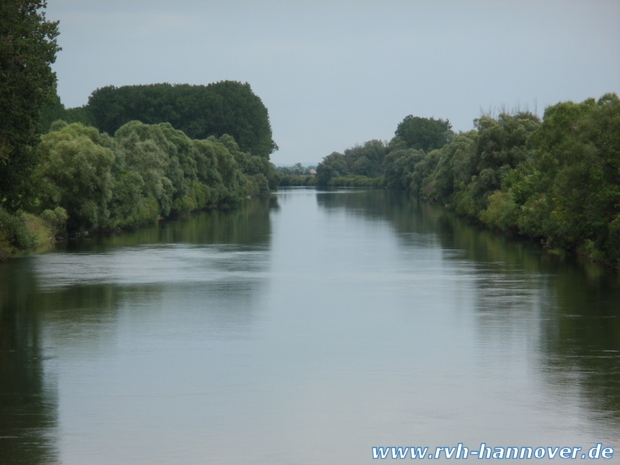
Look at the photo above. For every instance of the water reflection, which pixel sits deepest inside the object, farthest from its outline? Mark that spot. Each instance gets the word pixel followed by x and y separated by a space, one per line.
pixel 341 321
pixel 248 225
pixel 28 398
pixel 207 269
pixel 581 341
pixel 557 310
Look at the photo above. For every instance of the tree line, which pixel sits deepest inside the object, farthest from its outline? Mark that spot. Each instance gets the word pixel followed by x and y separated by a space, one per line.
pixel 297 175
pixel 225 107
pixel 556 180
pixel 85 180
pixel 130 156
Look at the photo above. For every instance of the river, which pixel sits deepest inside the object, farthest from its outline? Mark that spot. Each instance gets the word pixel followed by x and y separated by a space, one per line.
pixel 304 328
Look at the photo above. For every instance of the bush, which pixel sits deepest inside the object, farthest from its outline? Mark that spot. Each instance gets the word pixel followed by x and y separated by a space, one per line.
pixel 184 205
pixel 15 232
pixel 146 212
pixel 502 211
pixel 56 220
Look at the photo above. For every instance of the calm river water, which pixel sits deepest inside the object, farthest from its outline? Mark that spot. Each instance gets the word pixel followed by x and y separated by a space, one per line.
pixel 306 328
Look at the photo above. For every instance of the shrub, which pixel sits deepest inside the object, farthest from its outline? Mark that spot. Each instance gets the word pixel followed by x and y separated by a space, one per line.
pixel 15 231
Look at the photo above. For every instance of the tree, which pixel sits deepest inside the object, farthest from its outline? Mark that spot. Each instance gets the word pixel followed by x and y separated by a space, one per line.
pixel 27 49
pixel 424 133
pixel 75 172
pixel 332 166
pixel 224 107
pixel 366 160
pixel 581 142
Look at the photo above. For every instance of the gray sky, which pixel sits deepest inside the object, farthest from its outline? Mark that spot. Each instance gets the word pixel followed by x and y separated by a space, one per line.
pixel 335 73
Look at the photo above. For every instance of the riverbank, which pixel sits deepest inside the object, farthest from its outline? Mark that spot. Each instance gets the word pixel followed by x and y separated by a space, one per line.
pixel 554 181
pixel 85 181
pixel 24 233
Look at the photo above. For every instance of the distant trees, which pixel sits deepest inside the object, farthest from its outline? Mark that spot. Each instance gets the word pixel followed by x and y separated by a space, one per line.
pixel 297 170
pixel 378 164
pixel 361 162
pixel 424 133
pixel 297 175
pixel 27 49
pixel 224 107
pixel 555 180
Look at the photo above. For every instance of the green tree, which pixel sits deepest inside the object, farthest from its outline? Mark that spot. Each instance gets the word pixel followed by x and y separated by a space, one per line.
pixel 399 166
pixel 501 146
pixel 455 166
pixel 76 173
pixel 225 107
pixel 366 160
pixel 55 111
pixel 27 49
pixel 424 133
pixel 332 166
pixel 579 144
pixel 144 150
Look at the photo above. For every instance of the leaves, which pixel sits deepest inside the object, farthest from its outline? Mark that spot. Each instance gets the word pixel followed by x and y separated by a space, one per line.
pixel 144 172
pixel 424 133
pixel 557 180
pixel 225 107
pixel 27 49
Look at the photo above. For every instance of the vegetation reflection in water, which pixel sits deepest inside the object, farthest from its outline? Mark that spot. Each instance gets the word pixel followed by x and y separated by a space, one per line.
pixel 564 314
pixel 28 402
pixel 577 302
pixel 63 297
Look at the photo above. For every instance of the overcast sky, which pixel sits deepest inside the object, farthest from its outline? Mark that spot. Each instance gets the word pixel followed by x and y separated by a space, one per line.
pixel 336 73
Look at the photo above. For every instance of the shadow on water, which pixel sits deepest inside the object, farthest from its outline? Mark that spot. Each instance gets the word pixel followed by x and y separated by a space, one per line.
pixel 569 308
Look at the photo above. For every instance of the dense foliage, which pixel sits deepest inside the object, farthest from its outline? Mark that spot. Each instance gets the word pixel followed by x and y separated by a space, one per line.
pixel 86 180
pixel 142 173
pixel 163 149
pixel 205 146
pixel 361 162
pixel 555 180
pixel 424 133
pixel 27 83
pixel 225 107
